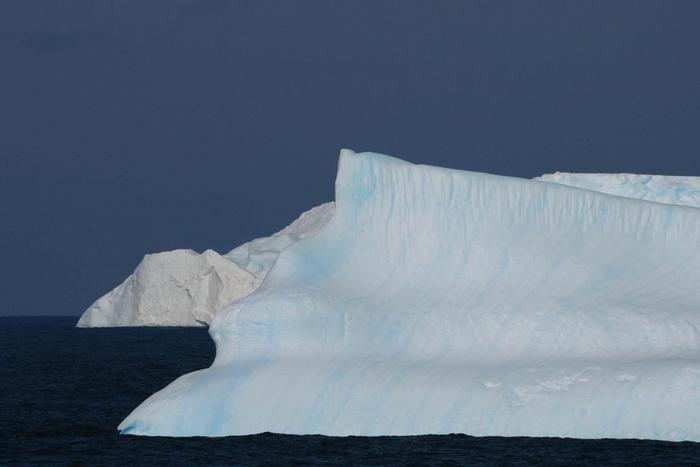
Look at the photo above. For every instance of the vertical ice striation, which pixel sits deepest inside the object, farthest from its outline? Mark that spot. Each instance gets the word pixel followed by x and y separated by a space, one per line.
pixel 440 301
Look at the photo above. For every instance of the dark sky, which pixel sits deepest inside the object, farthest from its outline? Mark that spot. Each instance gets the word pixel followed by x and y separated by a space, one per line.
pixel 129 127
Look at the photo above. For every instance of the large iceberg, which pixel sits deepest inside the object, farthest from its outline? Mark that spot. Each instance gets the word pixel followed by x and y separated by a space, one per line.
pixel 186 288
pixel 441 301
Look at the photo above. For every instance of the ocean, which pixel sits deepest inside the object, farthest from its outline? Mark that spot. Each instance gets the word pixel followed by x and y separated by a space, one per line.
pixel 64 390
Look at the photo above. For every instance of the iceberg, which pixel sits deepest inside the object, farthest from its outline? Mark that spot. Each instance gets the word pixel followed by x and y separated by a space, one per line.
pixel 185 288
pixel 446 301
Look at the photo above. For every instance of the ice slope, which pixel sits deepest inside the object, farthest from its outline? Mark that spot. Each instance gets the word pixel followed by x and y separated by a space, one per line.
pixel 440 301
pixel 185 288
pixel 666 189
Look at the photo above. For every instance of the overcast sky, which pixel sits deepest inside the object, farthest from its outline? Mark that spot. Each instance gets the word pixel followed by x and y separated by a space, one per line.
pixel 129 127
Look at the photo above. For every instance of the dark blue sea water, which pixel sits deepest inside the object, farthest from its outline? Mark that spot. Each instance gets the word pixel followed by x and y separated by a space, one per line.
pixel 64 390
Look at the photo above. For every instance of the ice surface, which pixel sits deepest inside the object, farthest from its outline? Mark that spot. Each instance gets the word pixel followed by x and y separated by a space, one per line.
pixel 440 301
pixel 184 288
pixel 258 256
pixel 684 191
pixel 174 288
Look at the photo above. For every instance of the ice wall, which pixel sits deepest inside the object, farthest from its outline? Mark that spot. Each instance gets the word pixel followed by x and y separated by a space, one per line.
pixel 440 301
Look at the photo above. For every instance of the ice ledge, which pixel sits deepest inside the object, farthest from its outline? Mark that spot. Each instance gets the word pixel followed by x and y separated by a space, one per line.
pixel 667 189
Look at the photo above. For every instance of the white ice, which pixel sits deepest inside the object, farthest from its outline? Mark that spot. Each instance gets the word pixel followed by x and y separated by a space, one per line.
pixel 178 288
pixel 441 301
pixel 185 288
pixel 668 189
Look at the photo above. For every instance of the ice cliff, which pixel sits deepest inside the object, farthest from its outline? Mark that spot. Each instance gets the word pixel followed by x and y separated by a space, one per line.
pixel 184 288
pixel 441 301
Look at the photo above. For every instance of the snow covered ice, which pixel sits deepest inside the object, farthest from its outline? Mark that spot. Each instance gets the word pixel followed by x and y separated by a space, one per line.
pixel 184 288
pixel 174 288
pixel 442 301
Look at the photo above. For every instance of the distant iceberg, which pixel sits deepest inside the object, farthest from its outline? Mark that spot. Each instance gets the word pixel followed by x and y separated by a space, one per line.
pixel 185 288
pixel 446 301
